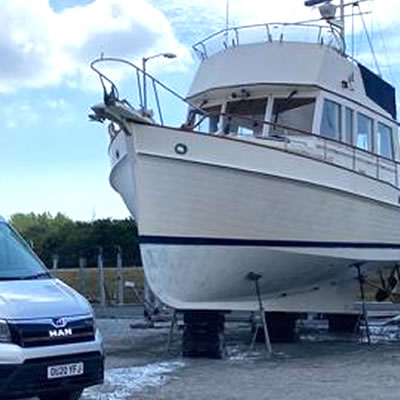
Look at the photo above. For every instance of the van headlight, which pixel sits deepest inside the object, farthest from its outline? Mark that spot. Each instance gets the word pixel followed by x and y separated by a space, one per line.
pixel 92 318
pixel 5 336
pixel 90 324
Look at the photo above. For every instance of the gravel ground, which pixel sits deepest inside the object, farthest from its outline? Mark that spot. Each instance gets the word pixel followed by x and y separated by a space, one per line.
pixel 319 366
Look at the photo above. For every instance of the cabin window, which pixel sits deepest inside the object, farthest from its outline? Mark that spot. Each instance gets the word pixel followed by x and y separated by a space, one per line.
pixel 331 120
pixel 349 126
pixel 293 115
pixel 384 144
pixel 245 117
pixel 207 122
pixel 364 132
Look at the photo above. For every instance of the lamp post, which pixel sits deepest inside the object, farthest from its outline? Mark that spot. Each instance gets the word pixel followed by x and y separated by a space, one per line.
pixel 144 61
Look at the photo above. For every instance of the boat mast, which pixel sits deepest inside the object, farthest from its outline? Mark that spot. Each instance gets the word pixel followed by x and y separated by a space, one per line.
pixel 328 13
pixel 342 30
pixel 227 16
pixel 226 34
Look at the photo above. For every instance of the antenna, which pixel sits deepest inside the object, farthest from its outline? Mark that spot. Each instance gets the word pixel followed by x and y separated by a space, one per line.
pixel 227 15
pixel 328 13
pixel 226 23
pixel 371 46
pixel 342 5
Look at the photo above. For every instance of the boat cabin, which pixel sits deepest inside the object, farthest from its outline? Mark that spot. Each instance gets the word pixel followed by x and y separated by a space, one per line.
pixel 298 114
pixel 290 90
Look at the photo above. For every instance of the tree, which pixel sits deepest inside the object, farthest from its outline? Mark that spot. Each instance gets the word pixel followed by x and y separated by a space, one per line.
pixel 73 239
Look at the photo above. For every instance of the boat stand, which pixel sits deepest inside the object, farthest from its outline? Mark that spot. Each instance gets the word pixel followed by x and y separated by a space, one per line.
pixel 171 331
pixel 203 333
pixel 252 276
pixel 361 281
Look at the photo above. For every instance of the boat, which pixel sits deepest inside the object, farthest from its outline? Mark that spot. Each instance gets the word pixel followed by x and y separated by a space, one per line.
pixel 286 167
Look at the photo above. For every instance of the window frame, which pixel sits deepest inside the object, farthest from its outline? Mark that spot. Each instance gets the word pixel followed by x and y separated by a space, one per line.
pixel 226 110
pixel 339 123
pixel 349 136
pixel 370 134
pixel 377 132
pixel 308 99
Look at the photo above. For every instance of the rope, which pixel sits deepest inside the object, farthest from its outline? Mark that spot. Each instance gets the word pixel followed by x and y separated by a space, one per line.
pixel 370 43
pixel 388 66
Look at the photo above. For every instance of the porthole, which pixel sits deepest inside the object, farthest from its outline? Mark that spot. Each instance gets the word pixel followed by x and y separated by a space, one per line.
pixel 181 149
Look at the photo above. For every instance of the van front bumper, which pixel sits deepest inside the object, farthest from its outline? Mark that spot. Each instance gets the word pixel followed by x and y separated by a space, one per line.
pixel 30 378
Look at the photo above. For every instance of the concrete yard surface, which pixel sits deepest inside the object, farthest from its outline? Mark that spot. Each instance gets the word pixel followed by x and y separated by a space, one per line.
pixel 319 366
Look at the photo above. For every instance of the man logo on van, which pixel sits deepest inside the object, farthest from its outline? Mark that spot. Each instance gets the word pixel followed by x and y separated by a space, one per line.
pixel 60 332
pixel 59 322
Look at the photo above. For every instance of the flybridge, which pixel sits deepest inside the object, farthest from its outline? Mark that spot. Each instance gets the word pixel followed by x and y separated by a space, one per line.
pixel 331 34
pixel 269 32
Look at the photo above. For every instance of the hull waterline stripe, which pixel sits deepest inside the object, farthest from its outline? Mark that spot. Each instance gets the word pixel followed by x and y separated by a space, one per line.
pixel 203 241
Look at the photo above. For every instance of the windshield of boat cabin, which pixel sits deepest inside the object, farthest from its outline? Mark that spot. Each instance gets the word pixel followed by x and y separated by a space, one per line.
pixel 292 115
pixel 245 117
pixel 17 260
pixel 207 122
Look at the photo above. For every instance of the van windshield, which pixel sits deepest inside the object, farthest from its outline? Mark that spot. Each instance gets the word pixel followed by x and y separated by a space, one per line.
pixel 17 260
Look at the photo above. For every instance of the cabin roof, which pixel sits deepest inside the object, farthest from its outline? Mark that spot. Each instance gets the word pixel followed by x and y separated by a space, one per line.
pixel 292 64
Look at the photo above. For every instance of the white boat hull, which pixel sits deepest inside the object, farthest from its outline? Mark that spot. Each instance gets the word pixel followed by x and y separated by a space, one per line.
pixel 226 207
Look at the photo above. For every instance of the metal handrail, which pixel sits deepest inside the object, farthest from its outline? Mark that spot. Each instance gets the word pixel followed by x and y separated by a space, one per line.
pixel 201 47
pixel 355 151
pixel 294 129
pixel 114 95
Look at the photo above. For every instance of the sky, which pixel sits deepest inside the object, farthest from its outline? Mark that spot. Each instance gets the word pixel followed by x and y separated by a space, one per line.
pixel 52 159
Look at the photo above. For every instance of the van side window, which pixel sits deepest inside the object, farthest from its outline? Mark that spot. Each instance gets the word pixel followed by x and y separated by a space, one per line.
pixel 331 120
pixel 349 126
pixel 16 259
pixel 384 141
pixel 364 132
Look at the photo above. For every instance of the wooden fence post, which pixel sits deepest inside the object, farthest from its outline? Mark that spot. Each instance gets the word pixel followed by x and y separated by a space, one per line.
pixel 82 275
pixel 55 261
pixel 120 278
pixel 100 277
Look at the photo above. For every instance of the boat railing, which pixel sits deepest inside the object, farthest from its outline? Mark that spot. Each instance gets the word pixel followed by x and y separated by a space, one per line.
pixel 287 138
pixel 156 91
pixel 302 32
pixel 324 149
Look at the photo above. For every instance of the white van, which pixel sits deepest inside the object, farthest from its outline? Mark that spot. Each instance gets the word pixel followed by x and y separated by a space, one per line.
pixel 49 344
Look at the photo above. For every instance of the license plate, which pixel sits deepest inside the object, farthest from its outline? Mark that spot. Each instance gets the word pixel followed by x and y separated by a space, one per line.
pixel 61 371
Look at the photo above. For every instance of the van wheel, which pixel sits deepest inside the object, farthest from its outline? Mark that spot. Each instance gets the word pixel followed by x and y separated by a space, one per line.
pixel 61 395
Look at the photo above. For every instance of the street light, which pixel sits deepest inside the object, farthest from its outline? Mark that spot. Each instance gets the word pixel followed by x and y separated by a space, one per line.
pixel 144 61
